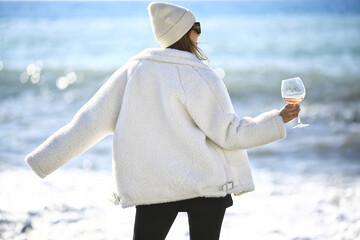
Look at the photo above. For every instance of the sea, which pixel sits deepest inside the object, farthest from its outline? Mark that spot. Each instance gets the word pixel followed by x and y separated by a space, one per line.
pixel 54 55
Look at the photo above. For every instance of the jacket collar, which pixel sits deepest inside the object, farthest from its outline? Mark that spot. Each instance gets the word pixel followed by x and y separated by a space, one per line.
pixel 168 55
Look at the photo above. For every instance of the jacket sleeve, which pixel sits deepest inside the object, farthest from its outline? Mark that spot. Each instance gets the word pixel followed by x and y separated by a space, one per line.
pixel 95 120
pixel 209 104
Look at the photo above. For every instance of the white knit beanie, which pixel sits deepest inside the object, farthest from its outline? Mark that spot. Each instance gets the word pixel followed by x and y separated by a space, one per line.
pixel 169 22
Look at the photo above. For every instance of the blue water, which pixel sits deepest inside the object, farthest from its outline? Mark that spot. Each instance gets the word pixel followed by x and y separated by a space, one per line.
pixel 55 55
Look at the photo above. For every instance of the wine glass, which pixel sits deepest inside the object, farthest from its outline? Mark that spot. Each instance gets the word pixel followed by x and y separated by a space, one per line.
pixel 293 91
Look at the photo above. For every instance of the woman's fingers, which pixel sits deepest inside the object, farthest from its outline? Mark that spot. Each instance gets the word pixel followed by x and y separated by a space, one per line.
pixel 289 112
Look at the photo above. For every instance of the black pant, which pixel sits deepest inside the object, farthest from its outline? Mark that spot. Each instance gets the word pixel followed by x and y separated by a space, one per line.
pixel 152 223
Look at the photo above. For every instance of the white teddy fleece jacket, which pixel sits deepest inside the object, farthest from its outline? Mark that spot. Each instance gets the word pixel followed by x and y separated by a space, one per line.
pixel 175 133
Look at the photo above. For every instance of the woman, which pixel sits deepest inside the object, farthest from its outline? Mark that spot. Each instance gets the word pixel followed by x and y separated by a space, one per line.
pixel 178 145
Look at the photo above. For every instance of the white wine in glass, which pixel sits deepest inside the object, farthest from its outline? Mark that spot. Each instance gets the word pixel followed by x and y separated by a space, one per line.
pixel 293 91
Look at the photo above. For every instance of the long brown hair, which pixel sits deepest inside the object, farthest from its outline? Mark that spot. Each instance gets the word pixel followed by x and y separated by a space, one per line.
pixel 185 44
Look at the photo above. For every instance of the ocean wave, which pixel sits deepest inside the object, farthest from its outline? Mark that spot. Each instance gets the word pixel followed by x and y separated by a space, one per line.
pixel 243 81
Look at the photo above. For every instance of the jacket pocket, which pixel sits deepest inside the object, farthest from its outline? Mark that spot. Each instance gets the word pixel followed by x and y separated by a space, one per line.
pixel 236 158
pixel 238 171
pixel 237 168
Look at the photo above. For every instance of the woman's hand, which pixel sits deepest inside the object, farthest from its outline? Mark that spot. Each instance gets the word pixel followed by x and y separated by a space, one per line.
pixel 289 112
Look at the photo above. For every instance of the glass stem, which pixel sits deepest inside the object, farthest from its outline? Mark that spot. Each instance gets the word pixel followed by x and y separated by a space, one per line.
pixel 299 120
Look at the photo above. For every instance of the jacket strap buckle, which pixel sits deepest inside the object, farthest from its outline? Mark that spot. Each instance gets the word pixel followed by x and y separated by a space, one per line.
pixel 227 186
pixel 116 199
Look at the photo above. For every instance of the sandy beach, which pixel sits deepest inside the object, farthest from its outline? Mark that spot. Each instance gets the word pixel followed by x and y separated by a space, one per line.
pixel 72 204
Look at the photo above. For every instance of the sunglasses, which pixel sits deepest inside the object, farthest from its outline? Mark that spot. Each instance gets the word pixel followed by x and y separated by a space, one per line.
pixel 196 27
